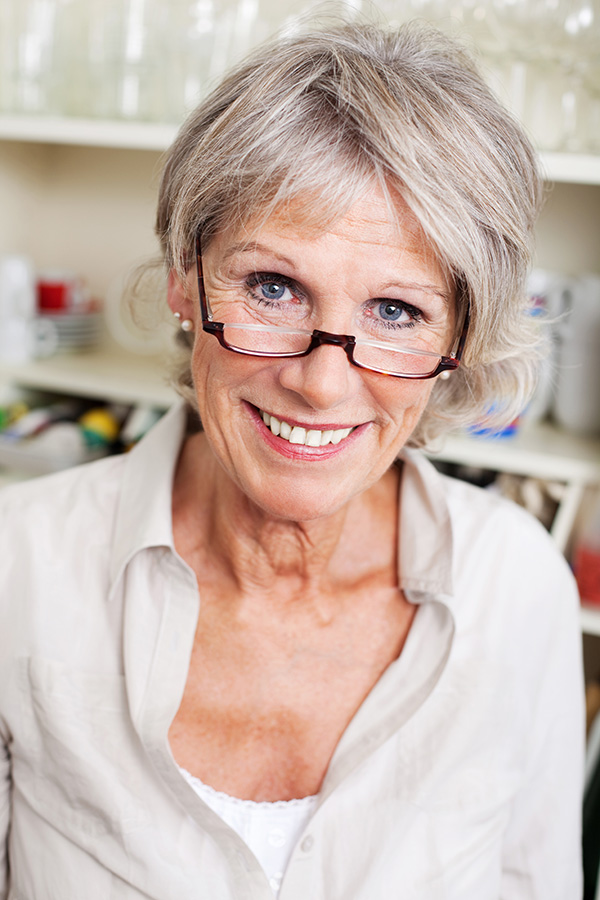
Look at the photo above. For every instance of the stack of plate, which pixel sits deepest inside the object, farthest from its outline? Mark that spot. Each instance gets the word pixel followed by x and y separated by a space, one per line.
pixel 76 329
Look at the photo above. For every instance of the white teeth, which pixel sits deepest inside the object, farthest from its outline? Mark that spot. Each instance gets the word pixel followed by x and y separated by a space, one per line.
pixel 298 435
pixel 310 437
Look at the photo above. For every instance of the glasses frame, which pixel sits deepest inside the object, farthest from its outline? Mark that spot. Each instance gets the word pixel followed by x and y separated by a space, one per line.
pixel 318 338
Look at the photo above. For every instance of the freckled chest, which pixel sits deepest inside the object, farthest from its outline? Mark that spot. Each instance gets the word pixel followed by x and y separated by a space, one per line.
pixel 266 703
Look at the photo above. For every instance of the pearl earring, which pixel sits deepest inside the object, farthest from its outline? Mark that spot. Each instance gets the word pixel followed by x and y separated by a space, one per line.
pixel 177 315
pixel 445 375
pixel 187 325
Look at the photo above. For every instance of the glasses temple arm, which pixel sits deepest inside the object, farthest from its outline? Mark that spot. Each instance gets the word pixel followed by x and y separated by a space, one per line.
pixel 463 335
pixel 204 307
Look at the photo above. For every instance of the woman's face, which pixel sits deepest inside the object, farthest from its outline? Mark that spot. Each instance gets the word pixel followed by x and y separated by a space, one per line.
pixel 334 281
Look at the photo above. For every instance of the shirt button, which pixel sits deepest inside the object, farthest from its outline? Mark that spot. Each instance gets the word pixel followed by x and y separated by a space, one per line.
pixel 307 843
pixel 275 881
pixel 276 837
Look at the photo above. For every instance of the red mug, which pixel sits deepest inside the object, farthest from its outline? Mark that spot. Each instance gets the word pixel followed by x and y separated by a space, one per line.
pixel 60 291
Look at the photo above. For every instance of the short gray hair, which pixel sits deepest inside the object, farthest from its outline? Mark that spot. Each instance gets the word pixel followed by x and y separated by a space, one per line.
pixel 319 116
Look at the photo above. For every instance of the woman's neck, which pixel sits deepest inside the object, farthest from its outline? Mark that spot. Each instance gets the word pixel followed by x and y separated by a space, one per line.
pixel 217 529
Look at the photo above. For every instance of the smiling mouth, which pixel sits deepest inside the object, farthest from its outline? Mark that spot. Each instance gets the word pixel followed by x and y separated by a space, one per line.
pixel 310 437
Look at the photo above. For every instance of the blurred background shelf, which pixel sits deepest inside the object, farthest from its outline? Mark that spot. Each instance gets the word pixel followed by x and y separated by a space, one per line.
pixel 87 132
pixel 539 449
pixel 567 168
pixel 108 373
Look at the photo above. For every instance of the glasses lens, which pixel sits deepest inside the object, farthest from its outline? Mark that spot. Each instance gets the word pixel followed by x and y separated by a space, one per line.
pixel 272 341
pixel 260 339
pixel 394 360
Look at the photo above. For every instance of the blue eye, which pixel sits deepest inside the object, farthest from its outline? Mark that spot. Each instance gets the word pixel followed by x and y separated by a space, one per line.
pixel 390 311
pixel 273 290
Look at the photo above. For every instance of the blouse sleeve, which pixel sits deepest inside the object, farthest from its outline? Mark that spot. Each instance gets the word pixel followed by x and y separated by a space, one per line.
pixel 542 848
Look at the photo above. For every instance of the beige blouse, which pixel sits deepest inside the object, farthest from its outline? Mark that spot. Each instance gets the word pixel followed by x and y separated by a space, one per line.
pixel 459 778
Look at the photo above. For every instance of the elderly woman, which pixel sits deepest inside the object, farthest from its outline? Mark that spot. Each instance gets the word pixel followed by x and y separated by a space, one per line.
pixel 278 653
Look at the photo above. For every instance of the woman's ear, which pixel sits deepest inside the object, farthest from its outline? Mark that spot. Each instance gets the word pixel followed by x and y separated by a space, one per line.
pixel 179 299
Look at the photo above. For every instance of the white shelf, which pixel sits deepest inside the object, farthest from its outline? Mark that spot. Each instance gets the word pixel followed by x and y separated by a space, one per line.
pixel 87 132
pixel 563 167
pixel 540 450
pixel 108 373
pixel 571 168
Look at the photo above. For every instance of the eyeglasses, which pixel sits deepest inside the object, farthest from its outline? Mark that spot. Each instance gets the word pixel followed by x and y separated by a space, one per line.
pixel 278 341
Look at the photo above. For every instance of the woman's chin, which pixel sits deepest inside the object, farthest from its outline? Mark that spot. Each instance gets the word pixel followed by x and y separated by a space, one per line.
pixel 297 503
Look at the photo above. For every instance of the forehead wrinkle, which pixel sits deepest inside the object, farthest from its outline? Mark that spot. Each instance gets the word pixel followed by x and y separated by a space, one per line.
pixel 365 224
pixel 419 286
pixel 253 247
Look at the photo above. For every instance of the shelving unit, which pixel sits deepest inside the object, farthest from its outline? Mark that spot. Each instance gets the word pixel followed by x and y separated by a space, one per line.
pixel 87 132
pixel 539 451
pixel 109 373
pixel 557 167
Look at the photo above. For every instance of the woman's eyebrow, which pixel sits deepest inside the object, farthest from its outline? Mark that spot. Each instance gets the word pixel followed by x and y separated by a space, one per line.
pixel 253 247
pixel 424 287
pixel 256 246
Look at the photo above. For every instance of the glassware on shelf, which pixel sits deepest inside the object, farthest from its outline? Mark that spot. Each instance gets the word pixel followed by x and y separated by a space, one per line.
pixel 26 65
pixel 8 54
pixel 70 91
pixel 152 60
pixel 192 45
pixel 104 48
pixel 144 52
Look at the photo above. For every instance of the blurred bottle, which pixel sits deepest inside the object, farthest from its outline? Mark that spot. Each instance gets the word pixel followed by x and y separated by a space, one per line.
pixel 192 46
pixel 127 57
pixel 577 401
pixel 9 32
pixel 546 292
pixel 70 90
pixel 586 562
pixel 28 54
pixel 144 58
pixel 105 47
pixel 22 335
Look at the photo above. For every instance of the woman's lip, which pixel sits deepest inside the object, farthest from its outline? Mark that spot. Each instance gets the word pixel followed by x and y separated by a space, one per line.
pixel 295 423
pixel 300 451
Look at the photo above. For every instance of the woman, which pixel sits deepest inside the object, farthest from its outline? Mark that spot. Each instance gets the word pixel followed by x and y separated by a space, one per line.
pixel 281 654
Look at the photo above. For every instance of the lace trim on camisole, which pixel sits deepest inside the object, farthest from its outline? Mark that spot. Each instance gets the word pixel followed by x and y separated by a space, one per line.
pixel 270 829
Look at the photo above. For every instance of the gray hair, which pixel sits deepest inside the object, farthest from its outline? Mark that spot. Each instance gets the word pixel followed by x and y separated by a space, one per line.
pixel 318 116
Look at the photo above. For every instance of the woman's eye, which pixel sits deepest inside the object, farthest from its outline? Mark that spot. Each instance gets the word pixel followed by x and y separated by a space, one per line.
pixel 390 311
pixel 270 288
pixel 393 312
pixel 274 290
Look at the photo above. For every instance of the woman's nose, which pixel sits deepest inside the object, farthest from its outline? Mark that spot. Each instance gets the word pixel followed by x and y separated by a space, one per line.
pixel 324 378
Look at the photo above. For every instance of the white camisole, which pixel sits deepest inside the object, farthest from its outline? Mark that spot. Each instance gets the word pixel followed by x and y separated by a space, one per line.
pixel 269 829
